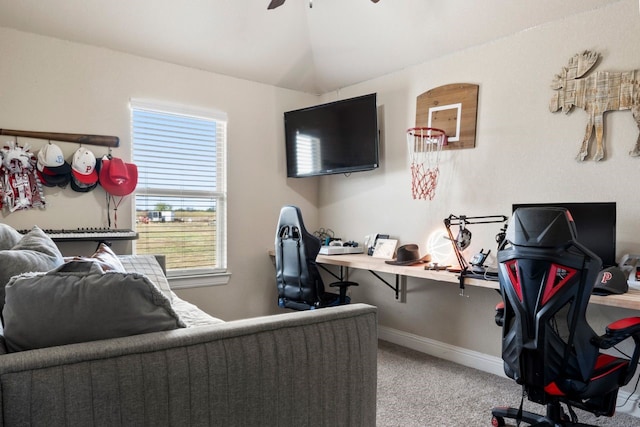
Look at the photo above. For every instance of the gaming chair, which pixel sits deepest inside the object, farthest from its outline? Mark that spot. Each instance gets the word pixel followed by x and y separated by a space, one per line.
pixel 300 286
pixel 546 278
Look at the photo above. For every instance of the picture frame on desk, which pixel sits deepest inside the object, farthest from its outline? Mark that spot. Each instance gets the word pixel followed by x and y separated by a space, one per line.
pixel 385 248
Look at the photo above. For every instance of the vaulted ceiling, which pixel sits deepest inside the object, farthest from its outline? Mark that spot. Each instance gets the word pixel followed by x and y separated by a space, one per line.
pixel 333 44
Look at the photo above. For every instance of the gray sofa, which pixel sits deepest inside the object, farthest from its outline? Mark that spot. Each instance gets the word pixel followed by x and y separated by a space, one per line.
pixel 103 341
pixel 315 368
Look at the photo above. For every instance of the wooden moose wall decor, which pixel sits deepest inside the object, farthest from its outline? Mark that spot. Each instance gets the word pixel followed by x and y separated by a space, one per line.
pixel 598 93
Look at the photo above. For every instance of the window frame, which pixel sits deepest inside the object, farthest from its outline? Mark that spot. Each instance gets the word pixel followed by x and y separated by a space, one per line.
pixel 199 276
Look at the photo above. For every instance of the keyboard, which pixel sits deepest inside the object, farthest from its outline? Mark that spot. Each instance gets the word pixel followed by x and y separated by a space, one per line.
pixel 88 234
pixel 340 250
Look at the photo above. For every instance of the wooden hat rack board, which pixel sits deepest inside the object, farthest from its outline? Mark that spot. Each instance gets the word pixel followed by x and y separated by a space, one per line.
pixel 445 120
pixel 101 140
pixel 20 183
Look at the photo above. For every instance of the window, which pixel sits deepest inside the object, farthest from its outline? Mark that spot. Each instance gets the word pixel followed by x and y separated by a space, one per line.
pixel 180 200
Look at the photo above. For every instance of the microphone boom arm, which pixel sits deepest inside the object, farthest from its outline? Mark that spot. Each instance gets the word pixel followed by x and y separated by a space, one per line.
pixel 462 221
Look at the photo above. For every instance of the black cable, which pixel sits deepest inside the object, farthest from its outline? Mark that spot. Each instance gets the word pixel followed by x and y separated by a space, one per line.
pixel 324 234
pixel 635 388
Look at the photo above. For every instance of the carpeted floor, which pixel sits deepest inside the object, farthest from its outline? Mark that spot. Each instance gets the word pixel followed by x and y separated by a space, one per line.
pixel 418 390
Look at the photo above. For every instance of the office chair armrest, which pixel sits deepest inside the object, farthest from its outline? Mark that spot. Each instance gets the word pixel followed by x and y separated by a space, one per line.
pixel 619 331
pixel 342 284
pixel 500 314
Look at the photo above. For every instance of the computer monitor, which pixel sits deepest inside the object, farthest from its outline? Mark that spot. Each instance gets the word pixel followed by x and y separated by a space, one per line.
pixel 595 224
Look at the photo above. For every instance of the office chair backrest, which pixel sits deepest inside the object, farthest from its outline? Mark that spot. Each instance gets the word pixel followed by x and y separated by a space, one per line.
pixel 297 274
pixel 546 278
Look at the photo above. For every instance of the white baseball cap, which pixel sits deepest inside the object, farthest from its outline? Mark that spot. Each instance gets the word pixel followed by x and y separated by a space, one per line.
pixel 51 161
pixel 83 166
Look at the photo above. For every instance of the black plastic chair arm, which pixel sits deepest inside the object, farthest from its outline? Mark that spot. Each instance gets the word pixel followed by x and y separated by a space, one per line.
pixel 619 331
pixel 500 314
pixel 343 289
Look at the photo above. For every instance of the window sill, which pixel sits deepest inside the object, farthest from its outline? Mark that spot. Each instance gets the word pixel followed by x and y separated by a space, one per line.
pixel 199 280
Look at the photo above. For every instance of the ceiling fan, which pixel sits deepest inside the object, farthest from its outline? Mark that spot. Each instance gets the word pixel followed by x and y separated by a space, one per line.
pixel 278 3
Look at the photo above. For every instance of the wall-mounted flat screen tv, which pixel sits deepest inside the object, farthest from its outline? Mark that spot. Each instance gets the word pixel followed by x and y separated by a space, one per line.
pixel 595 225
pixel 338 137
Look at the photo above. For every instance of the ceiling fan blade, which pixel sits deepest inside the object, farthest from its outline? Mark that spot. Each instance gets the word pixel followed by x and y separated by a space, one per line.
pixel 275 3
pixel 278 3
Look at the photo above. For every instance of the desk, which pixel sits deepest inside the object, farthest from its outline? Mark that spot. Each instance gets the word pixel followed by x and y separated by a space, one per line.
pixel 630 300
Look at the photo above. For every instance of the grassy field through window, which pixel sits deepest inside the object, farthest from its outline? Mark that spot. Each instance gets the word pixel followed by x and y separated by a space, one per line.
pixel 187 239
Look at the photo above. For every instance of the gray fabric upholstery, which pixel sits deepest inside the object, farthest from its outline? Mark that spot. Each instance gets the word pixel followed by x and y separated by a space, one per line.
pixel 78 302
pixel 34 252
pixel 315 368
pixel 9 237
pixel 190 314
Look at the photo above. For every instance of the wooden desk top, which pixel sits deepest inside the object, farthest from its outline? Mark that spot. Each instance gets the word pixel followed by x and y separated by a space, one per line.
pixel 630 300
pixel 378 265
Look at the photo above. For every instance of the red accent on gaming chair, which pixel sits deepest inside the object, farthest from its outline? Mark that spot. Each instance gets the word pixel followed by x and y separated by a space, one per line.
pixel 546 278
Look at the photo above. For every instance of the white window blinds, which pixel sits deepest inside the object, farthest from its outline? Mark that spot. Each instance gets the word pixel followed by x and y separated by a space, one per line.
pixel 181 194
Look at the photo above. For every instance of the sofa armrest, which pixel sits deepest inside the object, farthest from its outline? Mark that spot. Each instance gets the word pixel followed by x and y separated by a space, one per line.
pixel 162 260
pixel 317 365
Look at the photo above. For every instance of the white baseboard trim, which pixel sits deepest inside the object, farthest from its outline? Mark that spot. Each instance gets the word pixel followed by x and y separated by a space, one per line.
pixel 632 405
pixel 462 356
pixel 480 361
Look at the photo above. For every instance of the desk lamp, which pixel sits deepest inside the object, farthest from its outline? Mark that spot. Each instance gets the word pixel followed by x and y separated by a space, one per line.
pixel 463 240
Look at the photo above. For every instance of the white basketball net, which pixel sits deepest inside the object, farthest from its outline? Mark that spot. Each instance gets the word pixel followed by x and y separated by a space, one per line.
pixel 424 146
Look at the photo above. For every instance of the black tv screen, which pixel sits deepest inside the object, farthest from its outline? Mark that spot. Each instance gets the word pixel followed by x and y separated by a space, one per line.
pixel 595 225
pixel 333 138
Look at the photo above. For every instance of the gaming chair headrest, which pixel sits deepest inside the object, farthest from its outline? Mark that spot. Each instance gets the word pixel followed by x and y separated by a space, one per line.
pixel 541 227
pixel 290 223
pixel 290 215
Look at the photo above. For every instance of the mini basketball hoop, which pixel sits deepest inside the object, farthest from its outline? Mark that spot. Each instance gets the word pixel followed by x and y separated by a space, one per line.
pixel 425 145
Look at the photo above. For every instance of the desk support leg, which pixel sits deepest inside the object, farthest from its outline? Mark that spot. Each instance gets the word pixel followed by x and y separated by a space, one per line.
pixel 338 277
pixel 400 287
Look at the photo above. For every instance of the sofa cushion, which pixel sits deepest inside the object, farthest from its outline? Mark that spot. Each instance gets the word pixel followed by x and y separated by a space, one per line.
pixel 148 266
pixel 34 252
pixel 9 237
pixel 191 315
pixel 79 302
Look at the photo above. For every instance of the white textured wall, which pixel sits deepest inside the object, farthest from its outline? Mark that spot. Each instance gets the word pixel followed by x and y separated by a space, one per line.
pixel 523 153
pixel 57 86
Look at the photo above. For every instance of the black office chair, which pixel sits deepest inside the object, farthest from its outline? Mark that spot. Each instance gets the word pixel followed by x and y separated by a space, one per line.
pixel 300 286
pixel 546 278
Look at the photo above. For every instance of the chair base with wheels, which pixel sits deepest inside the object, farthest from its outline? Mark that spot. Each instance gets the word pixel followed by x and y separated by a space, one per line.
pixel 327 300
pixel 555 417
